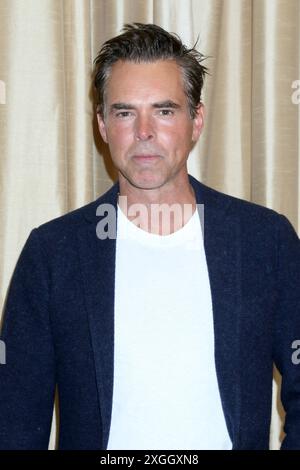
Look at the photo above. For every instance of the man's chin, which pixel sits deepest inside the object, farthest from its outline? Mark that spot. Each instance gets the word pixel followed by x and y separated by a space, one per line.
pixel 145 183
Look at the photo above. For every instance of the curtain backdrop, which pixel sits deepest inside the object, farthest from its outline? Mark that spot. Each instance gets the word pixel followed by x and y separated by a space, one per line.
pixel 52 160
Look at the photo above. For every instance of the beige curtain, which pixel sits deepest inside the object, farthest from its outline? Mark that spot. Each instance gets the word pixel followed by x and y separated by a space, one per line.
pixel 51 159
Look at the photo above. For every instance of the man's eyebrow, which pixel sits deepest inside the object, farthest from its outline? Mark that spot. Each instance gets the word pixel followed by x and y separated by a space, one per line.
pixel 166 104
pixel 161 104
pixel 116 106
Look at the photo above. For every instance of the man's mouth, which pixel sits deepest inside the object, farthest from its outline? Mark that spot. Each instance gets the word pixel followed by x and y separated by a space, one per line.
pixel 146 158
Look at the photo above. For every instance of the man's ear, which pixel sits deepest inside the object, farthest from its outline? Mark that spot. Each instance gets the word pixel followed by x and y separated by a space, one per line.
pixel 102 126
pixel 198 122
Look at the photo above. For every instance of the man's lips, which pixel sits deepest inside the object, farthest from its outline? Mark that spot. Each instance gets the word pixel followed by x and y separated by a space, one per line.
pixel 144 158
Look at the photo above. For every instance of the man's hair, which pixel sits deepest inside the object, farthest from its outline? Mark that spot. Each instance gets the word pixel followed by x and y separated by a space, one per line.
pixel 148 43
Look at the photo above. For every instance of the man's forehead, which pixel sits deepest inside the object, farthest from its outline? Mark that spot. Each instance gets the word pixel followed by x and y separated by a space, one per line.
pixel 131 69
pixel 132 77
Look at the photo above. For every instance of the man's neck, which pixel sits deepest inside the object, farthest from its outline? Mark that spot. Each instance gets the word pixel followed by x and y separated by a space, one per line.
pixel 161 211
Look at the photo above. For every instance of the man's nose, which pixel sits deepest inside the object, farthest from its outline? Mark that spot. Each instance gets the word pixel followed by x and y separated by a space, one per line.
pixel 144 128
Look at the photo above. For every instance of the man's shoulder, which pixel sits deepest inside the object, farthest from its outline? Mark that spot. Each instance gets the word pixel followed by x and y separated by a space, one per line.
pixel 76 218
pixel 255 219
pixel 235 205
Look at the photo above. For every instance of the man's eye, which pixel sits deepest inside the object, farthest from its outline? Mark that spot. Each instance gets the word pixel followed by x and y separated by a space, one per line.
pixel 123 114
pixel 166 112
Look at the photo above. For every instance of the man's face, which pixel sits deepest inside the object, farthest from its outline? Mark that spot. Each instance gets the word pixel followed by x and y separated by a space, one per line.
pixel 147 123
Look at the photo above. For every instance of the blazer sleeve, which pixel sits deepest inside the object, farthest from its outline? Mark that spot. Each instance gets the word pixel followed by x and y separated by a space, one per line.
pixel 27 377
pixel 287 330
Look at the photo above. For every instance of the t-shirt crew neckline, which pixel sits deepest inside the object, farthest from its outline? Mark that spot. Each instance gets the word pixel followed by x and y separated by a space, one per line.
pixel 130 230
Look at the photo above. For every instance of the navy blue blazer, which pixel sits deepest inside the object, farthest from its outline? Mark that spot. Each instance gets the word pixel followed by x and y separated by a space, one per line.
pixel 59 325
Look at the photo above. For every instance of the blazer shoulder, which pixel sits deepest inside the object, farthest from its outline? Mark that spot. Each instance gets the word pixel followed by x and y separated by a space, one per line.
pixel 246 212
pixel 239 206
pixel 78 217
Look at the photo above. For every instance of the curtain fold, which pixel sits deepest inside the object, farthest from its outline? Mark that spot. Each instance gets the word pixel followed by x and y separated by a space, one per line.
pixel 77 61
pixel 275 118
pixel 52 159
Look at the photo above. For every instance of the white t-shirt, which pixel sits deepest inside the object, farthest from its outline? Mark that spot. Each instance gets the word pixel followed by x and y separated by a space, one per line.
pixel 165 393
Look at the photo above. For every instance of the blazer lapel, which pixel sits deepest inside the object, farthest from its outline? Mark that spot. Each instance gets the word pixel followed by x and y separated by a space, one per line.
pixel 222 249
pixel 97 258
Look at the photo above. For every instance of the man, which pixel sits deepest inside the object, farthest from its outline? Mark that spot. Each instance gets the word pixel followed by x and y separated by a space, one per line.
pixel 159 331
